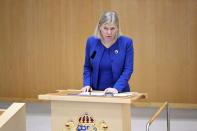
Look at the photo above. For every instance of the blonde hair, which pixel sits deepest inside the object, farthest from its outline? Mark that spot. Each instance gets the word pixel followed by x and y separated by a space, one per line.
pixel 107 17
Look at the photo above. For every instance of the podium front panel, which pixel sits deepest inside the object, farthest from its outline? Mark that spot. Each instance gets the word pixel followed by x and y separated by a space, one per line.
pixel 73 111
pixel 116 116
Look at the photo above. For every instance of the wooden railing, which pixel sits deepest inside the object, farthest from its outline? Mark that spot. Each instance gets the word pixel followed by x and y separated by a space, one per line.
pixel 164 106
pixel 13 118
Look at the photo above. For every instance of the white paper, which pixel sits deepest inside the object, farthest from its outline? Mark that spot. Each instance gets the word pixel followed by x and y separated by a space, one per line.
pixel 103 94
pixel 92 93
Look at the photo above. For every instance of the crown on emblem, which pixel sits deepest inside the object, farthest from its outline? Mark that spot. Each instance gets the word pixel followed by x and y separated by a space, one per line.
pixel 86 119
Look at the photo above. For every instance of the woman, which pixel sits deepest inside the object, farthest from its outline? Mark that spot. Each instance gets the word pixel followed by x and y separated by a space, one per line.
pixel 109 57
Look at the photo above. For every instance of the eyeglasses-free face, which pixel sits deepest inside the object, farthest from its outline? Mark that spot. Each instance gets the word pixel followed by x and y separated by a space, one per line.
pixel 108 31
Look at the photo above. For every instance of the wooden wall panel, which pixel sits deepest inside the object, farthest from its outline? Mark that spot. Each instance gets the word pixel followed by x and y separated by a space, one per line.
pixel 42 45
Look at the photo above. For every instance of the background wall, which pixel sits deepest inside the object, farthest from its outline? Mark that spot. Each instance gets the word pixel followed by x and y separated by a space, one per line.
pixel 42 44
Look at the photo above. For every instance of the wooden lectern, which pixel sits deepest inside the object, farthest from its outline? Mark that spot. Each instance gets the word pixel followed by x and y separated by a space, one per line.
pixel 71 110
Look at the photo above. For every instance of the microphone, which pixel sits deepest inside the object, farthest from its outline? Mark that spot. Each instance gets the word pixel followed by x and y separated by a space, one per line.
pixel 93 54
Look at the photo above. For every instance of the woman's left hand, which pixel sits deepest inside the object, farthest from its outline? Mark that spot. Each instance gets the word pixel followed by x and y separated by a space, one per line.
pixel 112 90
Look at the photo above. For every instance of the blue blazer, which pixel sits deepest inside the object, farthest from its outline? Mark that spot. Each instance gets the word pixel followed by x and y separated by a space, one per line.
pixel 121 57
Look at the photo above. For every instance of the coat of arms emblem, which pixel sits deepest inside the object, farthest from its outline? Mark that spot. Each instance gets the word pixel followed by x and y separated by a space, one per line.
pixel 85 123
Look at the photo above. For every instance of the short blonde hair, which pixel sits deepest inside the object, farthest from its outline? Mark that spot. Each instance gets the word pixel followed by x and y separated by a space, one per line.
pixel 107 17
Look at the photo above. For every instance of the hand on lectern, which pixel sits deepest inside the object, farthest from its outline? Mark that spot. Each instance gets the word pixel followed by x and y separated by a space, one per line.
pixel 86 89
pixel 112 90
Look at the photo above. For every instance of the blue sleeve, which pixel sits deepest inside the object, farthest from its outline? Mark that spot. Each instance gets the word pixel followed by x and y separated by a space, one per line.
pixel 87 67
pixel 127 69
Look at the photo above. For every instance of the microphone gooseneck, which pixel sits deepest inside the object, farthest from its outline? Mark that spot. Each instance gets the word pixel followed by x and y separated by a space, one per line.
pixel 93 54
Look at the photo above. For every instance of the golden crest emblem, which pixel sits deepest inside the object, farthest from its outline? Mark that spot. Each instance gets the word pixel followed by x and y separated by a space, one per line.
pixel 85 123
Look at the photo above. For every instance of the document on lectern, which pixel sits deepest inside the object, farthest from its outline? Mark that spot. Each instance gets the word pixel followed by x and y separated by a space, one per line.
pixel 103 94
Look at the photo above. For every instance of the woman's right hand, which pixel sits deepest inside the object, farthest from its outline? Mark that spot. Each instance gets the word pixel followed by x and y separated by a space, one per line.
pixel 86 89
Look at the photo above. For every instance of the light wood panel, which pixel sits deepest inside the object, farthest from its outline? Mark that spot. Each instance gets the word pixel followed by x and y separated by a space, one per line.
pixel 112 114
pixel 14 118
pixel 95 96
pixel 42 45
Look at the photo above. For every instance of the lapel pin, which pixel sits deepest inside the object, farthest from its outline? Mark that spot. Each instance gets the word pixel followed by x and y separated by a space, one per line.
pixel 116 51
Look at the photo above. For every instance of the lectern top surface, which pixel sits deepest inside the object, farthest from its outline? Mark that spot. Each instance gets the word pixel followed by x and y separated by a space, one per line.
pixel 95 96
